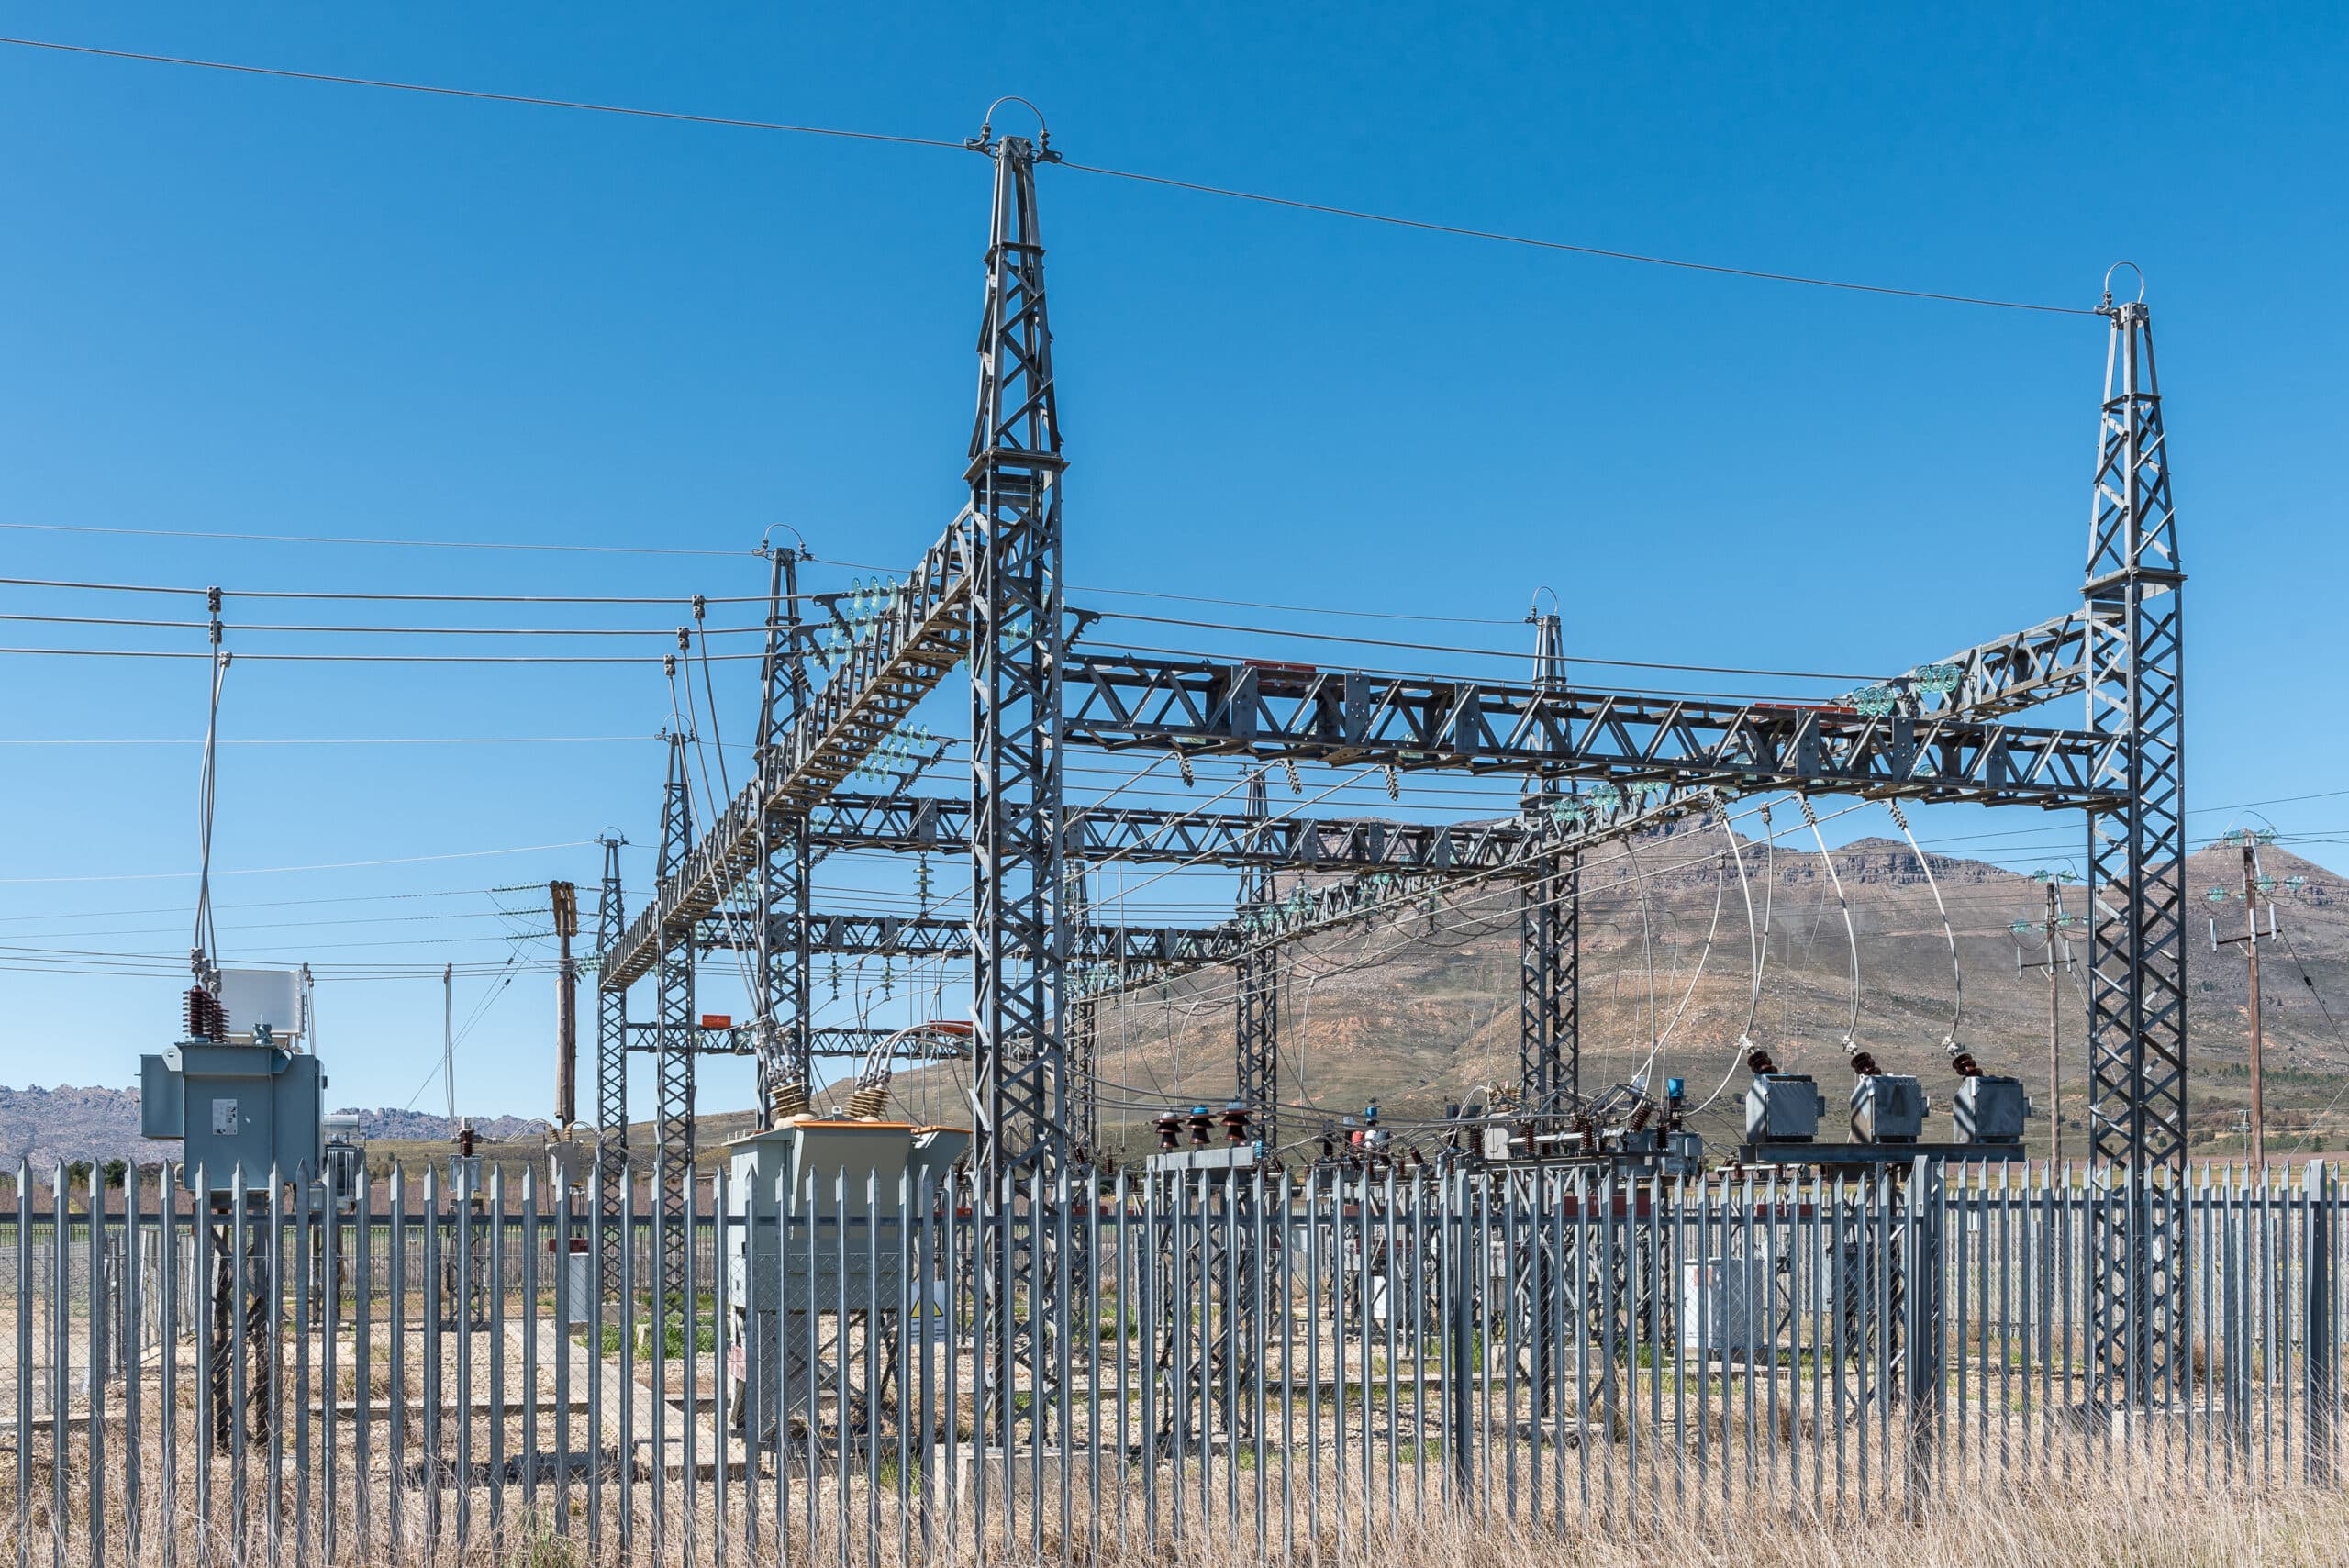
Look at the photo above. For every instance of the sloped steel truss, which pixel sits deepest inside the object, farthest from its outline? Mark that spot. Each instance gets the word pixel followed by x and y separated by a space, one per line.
pixel 902 656
pixel 1237 707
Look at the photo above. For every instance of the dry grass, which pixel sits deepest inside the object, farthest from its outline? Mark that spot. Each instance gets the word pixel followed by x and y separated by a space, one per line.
pixel 2144 1522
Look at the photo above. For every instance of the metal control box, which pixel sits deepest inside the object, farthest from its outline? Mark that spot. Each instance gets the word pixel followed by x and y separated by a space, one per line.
pixel 1782 1107
pixel 822 1211
pixel 1989 1110
pixel 1888 1108
pixel 236 1109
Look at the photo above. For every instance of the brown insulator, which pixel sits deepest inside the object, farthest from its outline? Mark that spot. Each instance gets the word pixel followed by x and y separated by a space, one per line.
pixel 1644 1115
pixel 867 1103
pixel 1965 1066
pixel 1865 1064
pixel 1759 1064
pixel 787 1099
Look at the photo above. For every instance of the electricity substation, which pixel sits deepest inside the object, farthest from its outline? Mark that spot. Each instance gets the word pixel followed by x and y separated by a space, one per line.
pixel 843 1329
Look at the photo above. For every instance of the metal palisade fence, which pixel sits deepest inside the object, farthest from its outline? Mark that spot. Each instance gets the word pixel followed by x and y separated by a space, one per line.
pixel 1290 1363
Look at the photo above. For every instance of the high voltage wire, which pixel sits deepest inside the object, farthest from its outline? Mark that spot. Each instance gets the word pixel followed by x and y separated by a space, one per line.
pixel 1167 182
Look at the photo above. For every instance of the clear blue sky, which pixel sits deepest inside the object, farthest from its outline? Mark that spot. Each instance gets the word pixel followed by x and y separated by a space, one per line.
pixel 242 305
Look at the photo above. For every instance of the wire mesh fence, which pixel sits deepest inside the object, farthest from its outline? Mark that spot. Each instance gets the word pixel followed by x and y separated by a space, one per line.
pixel 1298 1364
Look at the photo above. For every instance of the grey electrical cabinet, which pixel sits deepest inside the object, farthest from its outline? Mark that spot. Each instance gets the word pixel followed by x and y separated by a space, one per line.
pixel 236 1109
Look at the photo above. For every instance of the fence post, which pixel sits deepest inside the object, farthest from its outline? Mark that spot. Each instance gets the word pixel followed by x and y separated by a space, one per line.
pixel 2317 1283
pixel 1922 1329
pixel 1459 1315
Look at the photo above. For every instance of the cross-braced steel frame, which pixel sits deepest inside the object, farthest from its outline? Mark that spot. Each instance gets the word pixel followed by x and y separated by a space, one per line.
pixel 2137 872
pixel 673 1056
pixel 611 1075
pixel 1020 1071
pixel 1257 1066
pixel 785 1054
pixel 990 593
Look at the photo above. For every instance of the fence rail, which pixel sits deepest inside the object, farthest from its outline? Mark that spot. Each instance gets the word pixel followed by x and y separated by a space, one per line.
pixel 1288 1363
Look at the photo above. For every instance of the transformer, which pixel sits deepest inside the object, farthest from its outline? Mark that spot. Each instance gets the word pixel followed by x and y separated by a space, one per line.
pixel 825 1194
pixel 1782 1107
pixel 1888 1107
pixel 1989 1110
pixel 244 1110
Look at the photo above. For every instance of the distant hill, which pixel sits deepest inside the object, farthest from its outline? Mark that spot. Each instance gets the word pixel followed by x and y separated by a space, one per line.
pixel 48 1124
pixel 1416 1012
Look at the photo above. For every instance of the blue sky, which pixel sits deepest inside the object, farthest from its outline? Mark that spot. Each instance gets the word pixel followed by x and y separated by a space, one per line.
pixel 247 305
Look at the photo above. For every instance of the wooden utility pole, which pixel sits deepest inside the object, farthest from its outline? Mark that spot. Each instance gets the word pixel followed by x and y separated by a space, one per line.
pixel 562 898
pixel 2059 957
pixel 2254 893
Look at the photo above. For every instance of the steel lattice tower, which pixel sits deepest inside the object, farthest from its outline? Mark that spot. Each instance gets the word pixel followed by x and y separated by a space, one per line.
pixel 1019 1075
pixel 1549 1036
pixel 784 1043
pixel 1258 1036
pixel 611 1073
pixel 2137 870
pixel 673 1033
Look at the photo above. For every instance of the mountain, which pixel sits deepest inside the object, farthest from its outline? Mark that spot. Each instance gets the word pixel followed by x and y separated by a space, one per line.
pixel 48 1124
pixel 1418 1011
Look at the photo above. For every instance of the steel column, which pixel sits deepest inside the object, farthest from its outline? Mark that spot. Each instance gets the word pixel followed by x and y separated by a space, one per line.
pixel 2136 859
pixel 673 982
pixel 785 1053
pixel 1258 1034
pixel 611 1072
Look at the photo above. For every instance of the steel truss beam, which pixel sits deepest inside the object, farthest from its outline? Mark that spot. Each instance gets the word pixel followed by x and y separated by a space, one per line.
pixel 904 654
pixel 2008 674
pixel 929 935
pixel 846 1042
pixel 1239 707
pixel 1103 836
pixel 2136 877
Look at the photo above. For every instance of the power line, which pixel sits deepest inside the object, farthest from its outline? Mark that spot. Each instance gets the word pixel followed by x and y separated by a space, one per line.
pixel 1326 209
pixel 342 538
pixel 270 871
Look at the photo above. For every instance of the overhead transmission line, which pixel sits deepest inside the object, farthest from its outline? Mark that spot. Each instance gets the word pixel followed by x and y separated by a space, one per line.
pixel 1167 182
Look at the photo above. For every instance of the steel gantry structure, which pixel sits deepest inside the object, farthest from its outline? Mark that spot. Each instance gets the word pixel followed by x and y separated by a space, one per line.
pixel 1597 766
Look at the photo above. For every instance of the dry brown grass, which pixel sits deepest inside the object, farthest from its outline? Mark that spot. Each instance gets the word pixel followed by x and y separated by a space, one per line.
pixel 2140 1523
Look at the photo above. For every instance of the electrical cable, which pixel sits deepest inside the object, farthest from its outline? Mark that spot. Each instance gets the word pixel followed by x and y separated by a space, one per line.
pixel 1163 180
pixel 1957 970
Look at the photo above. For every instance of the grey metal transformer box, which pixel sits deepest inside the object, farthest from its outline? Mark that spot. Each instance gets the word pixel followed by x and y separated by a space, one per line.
pixel 821 1237
pixel 237 1109
pixel 1782 1107
pixel 1989 1110
pixel 1888 1108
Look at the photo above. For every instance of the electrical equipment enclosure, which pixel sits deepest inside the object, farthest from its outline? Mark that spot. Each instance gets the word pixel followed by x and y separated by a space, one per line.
pixel 236 1109
pixel 1888 1108
pixel 1989 1110
pixel 346 1163
pixel 1782 1107
pixel 258 998
pixel 1730 1307
pixel 821 1210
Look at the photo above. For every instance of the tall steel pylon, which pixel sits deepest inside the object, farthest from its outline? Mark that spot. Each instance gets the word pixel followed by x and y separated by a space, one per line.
pixel 784 1043
pixel 1258 1036
pixel 1549 1036
pixel 675 1036
pixel 1019 1070
pixel 611 1072
pixel 2137 872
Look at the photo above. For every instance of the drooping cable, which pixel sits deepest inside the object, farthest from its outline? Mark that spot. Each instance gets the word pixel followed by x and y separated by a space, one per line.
pixel 1851 929
pixel 1956 970
pixel 205 949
